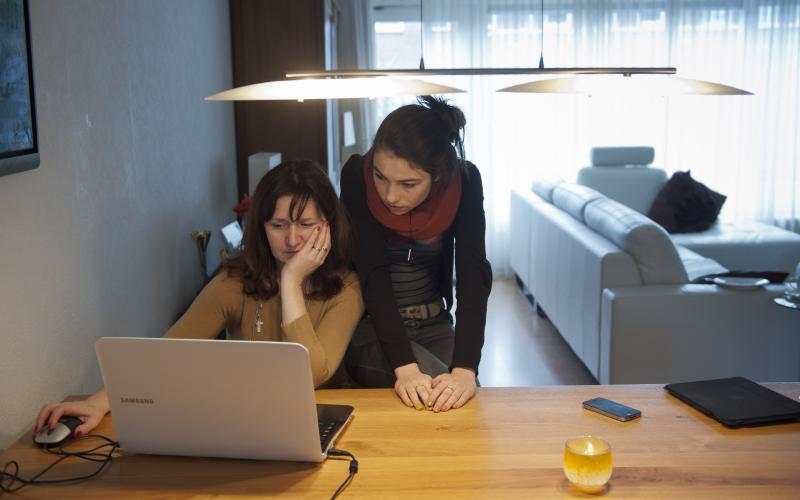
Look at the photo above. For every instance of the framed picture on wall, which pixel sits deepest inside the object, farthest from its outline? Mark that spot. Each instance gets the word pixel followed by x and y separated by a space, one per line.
pixel 19 141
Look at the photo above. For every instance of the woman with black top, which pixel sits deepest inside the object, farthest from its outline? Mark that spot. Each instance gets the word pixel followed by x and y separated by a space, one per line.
pixel 417 208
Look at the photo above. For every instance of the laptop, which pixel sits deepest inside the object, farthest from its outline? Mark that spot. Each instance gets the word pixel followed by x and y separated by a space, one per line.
pixel 211 398
pixel 736 401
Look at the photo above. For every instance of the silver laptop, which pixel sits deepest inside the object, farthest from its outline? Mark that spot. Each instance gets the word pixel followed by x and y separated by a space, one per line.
pixel 212 398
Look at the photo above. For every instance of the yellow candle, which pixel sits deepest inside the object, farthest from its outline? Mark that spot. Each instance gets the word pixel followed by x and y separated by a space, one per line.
pixel 587 463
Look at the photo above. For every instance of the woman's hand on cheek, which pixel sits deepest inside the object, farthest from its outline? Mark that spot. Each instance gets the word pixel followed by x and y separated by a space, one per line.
pixel 309 257
pixel 453 390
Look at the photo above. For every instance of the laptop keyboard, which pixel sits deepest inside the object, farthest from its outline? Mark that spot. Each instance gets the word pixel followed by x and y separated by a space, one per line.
pixel 325 431
pixel 331 419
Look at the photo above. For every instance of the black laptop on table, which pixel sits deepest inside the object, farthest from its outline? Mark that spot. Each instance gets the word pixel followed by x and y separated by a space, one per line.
pixel 736 401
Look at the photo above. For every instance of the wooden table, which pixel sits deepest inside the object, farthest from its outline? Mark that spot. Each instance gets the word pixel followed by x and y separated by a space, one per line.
pixel 507 442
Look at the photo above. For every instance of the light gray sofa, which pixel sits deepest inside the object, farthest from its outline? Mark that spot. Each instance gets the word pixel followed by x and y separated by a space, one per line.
pixel 623 174
pixel 618 290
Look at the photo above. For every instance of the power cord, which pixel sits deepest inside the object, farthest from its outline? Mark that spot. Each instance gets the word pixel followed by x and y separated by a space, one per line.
pixel 103 454
pixel 333 452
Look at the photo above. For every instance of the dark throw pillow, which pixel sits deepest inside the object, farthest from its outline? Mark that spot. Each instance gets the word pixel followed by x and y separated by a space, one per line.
pixel 684 205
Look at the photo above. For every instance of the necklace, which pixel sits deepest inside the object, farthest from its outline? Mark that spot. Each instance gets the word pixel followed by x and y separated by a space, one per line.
pixel 409 258
pixel 258 318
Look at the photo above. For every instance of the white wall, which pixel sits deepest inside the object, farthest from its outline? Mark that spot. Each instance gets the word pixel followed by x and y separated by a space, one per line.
pixel 96 240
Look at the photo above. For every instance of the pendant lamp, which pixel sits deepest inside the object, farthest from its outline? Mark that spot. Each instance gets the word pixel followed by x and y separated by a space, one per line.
pixel 338 85
pixel 627 85
pixel 331 88
pixel 357 83
pixel 597 82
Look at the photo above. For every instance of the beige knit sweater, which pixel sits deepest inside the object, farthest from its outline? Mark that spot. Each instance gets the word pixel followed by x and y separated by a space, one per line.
pixel 325 329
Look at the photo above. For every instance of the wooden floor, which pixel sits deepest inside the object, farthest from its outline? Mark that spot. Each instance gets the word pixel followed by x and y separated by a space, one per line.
pixel 522 349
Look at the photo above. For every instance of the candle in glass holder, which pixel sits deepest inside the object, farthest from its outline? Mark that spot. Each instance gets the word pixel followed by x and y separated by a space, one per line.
pixel 587 463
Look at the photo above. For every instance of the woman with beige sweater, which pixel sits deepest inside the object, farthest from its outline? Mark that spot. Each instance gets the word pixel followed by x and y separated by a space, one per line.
pixel 290 283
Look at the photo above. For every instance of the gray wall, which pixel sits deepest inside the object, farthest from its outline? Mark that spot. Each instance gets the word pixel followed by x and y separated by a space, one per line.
pixel 96 240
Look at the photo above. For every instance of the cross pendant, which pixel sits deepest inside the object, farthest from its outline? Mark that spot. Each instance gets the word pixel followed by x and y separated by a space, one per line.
pixel 258 325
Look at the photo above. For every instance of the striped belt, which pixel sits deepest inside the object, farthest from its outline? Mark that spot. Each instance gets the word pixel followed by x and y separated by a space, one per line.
pixel 422 312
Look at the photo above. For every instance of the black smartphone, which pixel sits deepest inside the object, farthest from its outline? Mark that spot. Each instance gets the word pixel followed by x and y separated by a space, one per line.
pixel 612 409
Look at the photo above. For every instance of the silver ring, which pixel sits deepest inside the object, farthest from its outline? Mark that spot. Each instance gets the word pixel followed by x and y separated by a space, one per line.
pixel 449 387
pixel 314 248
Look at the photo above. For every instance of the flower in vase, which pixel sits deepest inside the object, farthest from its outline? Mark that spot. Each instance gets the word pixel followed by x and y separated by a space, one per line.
pixel 201 242
pixel 241 207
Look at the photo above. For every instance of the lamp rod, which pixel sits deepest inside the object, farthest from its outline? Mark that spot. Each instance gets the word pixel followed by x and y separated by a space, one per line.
pixel 479 71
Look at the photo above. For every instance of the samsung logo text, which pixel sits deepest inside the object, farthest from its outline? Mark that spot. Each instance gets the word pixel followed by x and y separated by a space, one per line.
pixel 143 401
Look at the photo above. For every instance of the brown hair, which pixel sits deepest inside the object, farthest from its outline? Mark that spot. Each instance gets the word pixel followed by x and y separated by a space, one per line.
pixel 255 265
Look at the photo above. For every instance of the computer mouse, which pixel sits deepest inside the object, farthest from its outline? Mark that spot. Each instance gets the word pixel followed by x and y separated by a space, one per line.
pixel 61 432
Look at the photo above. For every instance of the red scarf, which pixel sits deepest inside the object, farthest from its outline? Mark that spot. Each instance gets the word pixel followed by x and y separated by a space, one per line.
pixel 429 219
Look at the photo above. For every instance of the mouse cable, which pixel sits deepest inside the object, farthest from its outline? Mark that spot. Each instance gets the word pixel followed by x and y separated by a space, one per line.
pixel 333 452
pixel 103 454
pixel 9 478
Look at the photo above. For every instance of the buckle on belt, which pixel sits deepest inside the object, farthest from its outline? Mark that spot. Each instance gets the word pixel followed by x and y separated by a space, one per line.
pixel 421 312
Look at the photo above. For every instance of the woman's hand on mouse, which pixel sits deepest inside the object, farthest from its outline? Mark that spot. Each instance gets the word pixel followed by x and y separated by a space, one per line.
pixel 312 254
pixel 90 411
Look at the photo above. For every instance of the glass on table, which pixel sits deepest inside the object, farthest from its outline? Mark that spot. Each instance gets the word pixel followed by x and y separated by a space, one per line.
pixel 792 284
pixel 587 463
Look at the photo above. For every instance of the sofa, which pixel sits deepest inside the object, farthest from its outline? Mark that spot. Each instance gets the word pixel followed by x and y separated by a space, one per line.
pixel 619 290
pixel 624 174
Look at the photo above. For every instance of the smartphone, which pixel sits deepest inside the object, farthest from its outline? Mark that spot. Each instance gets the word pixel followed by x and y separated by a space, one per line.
pixel 612 409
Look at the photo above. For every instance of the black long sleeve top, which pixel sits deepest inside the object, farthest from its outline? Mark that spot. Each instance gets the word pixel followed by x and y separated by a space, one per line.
pixel 462 242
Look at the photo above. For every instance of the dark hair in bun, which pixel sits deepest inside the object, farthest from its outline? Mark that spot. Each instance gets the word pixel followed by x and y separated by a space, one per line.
pixel 428 134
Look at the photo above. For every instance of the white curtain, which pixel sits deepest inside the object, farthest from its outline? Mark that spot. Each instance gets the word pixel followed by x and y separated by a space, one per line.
pixel 747 148
pixel 351 49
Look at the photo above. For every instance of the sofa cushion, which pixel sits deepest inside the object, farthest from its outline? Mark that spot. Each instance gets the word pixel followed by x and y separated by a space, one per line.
pixel 647 242
pixel 745 246
pixel 573 198
pixel 622 155
pixel 544 187
pixel 696 265
pixel 684 205
pixel 635 187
